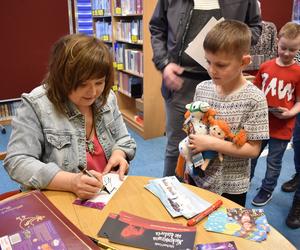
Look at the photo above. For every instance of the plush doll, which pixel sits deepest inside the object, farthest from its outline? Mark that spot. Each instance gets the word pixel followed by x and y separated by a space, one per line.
pixel 196 120
pixel 199 119
pixel 221 130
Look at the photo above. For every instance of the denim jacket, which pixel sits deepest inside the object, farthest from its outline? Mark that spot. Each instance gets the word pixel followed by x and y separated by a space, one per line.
pixel 44 141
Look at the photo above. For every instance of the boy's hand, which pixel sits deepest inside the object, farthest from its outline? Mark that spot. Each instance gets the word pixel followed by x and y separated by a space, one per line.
pixel 275 110
pixel 281 113
pixel 200 143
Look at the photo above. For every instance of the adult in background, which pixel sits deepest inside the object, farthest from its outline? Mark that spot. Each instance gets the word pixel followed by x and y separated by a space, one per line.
pixel 292 184
pixel 174 24
pixel 71 120
pixel 266 46
pixel 293 219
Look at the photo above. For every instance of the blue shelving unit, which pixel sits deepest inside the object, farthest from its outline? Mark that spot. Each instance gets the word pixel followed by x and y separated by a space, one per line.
pixel 84 17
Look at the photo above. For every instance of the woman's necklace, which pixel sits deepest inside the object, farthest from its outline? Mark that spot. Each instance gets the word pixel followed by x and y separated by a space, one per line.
pixel 90 146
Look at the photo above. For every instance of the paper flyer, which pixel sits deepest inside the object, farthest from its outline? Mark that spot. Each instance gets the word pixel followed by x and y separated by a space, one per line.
pixel 112 183
pixel 195 48
pixel 177 199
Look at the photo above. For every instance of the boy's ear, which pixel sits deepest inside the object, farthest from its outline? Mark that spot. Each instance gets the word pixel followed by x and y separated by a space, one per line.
pixel 246 60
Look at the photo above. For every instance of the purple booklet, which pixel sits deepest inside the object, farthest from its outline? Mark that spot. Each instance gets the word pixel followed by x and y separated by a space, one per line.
pixel 228 245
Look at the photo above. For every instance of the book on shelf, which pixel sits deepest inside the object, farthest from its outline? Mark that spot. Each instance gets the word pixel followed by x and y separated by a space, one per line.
pixel 103 30
pixel 128 7
pixel 33 222
pixel 129 30
pixel 130 85
pixel 139 119
pixel 101 7
pixel 128 59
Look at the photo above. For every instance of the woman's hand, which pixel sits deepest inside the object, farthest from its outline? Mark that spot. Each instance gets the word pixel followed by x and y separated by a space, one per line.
pixel 117 163
pixel 86 187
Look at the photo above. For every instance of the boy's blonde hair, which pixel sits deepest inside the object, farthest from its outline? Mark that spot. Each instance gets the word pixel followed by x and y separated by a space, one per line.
pixel 230 36
pixel 290 31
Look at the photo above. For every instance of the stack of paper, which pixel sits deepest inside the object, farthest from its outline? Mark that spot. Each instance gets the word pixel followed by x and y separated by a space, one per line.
pixel 128 229
pixel 250 224
pixel 177 199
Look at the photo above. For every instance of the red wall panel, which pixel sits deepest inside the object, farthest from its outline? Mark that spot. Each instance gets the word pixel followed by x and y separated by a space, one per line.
pixel 277 11
pixel 28 30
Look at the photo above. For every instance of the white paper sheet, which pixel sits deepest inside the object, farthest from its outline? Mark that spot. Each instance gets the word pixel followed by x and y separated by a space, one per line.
pixel 195 48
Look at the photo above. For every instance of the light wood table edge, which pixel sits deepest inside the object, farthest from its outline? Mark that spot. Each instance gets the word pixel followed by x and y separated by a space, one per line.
pixel 131 198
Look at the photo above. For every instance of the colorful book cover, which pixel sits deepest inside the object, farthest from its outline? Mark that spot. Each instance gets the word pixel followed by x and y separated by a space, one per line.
pixel 228 245
pixel 250 224
pixel 33 222
pixel 131 230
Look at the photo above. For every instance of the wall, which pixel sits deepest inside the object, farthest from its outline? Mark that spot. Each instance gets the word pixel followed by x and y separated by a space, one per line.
pixel 277 11
pixel 28 30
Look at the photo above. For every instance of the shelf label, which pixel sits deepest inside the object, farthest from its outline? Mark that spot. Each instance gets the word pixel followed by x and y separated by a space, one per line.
pixel 105 38
pixel 93 12
pixel 118 11
pixel 101 12
pixel 120 66
pixel 115 65
pixel 115 87
pixel 134 38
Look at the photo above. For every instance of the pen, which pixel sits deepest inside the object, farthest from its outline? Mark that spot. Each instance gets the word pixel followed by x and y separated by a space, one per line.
pixel 102 245
pixel 88 173
pixel 203 214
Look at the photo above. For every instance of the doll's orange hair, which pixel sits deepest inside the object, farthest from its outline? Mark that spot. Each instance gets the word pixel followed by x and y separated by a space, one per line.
pixel 208 116
pixel 238 139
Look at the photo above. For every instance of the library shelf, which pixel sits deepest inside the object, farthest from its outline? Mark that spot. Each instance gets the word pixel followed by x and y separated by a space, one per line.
pixel 125 24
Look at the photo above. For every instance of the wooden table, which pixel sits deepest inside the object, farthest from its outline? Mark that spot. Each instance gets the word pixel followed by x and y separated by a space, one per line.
pixel 132 197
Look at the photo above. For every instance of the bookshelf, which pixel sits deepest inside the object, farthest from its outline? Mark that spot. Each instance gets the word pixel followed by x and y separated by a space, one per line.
pixel 123 26
pixel 8 109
